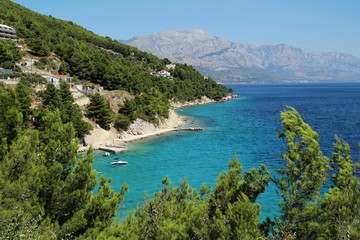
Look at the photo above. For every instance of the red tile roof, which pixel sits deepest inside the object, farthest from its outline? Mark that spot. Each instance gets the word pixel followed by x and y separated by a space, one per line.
pixel 63 76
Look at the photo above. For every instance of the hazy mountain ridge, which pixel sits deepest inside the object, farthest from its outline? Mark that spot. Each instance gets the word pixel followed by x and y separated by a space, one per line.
pixel 234 62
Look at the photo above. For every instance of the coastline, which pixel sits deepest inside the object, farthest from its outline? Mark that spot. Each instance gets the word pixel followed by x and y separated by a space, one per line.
pixel 202 101
pixel 140 129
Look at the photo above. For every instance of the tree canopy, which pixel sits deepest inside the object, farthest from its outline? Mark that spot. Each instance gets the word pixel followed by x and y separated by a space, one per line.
pixel 100 111
pixel 63 100
pixel 46 189
pixel 225 212
pixel 9 54
pixel 305 212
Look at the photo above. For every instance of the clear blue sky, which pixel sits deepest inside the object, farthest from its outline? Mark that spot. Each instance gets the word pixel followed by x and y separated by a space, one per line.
pixel 314 25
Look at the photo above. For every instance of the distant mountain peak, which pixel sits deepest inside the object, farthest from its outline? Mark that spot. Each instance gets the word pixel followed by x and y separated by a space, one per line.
pixel 234 62
pixel 196 31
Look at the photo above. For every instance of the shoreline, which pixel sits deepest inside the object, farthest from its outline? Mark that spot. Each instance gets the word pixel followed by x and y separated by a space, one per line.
pixel 140 129
pixel 120 142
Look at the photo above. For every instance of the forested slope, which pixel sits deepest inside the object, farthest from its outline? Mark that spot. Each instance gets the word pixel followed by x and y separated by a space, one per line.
pixel 106 62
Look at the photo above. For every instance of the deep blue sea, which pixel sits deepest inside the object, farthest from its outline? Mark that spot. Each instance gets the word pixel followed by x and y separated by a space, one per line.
pixel 245 127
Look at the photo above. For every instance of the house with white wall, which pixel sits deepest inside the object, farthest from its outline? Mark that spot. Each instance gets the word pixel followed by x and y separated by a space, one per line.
pixel 55 79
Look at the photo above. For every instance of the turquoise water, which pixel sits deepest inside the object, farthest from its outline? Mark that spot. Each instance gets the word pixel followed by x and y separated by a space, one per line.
pixel 246 127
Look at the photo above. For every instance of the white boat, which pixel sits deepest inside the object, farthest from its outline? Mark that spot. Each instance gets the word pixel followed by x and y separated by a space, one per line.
pixel 116 161
pixel 106 154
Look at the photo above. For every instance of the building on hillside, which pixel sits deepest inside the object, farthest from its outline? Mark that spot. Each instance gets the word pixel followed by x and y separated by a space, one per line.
pixel 55 79
pixel 89 90
pixel 6 78
pixel 161 73
pixel 4 71
pixel 170 66
pixel 65 78
pixel 7 32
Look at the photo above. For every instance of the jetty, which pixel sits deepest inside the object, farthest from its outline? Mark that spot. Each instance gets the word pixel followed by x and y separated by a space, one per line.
pixel 190 129
pixel 113 148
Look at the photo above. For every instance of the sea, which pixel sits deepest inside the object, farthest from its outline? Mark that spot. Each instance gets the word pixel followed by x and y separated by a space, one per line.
pixel 245 127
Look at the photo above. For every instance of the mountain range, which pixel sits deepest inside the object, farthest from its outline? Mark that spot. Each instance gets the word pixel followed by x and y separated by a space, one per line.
pixel 230 62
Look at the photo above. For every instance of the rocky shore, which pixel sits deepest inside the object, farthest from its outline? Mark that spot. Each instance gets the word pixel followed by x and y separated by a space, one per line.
pixel 202 101
pixel 140 129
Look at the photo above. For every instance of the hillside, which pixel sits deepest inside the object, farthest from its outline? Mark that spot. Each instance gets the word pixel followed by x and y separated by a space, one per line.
pixel 67 48
pixel 233 62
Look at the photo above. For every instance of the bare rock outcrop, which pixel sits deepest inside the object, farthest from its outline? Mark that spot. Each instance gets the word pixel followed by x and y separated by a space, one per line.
pixel 141 127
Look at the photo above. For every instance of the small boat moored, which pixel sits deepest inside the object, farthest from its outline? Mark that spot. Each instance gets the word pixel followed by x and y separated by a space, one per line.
pixel 106 154
pixel 116 161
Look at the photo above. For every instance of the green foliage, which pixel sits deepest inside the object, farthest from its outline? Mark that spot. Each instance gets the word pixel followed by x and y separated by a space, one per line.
pixel 122 122
pixel 24 98
pixel 71 112
pixel 51 97
pixel 232 201
pixel 11 118
pixel 30 79
pixel 20 175
pixel 63 68
pixel 39 46
pixel 9 52
pixel 99 110
pixel 182 213
pixel 304 174
pixel 45 63
pixel 191 85
pixel 152 106
pixel 340 207
pixel 129 110
pixel 305 212
pixel 46 192
pixel 63 100
pixel 8 65
pixel 108 63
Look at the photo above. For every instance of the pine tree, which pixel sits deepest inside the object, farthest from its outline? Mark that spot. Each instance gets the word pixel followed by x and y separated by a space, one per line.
pixel 51 97
pixel 24 98
pixel 99 110
pixel 340 207
pixel 11 119
pixel 71 112
pixel 21 171
pixel 45 187
pixel 182 213
pixel 63 100
pixel 304 174
pixel 232 210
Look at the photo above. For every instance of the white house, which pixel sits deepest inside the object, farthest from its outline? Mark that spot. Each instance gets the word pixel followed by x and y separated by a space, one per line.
pixel 55 79
pixel 163 73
